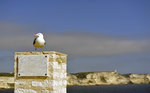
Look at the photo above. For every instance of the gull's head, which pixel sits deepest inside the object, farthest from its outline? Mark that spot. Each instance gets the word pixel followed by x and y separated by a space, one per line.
pixel 38 35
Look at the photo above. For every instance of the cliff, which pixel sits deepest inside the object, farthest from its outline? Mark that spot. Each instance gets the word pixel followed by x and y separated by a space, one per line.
pixel 92 78
pixel 107 78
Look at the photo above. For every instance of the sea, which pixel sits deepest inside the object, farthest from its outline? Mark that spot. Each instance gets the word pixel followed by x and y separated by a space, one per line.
pixel 130 88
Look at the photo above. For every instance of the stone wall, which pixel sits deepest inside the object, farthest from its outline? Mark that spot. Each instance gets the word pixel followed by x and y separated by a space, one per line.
pixel 54 82
pixel 6 82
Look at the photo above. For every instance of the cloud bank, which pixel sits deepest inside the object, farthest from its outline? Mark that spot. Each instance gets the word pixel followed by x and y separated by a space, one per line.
pixel 16 37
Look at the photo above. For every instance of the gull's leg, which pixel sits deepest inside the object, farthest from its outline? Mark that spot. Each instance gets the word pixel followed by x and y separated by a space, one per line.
pixel 42 49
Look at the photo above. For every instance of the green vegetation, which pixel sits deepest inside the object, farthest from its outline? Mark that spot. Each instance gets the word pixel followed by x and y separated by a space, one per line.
pixel 81 75
pixel 7 74
pixel 11 85
pixel 126 75
pixel 103 79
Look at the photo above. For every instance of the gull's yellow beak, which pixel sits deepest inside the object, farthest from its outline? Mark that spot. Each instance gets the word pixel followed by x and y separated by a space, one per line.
pixel 35 35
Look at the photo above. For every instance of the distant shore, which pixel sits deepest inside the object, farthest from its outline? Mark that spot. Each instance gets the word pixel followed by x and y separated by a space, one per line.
pixel 107 78
pixel 88 79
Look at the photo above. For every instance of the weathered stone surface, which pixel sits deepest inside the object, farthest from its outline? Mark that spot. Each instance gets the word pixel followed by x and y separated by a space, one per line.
pixel 6 82
pixel 46 91
pixel 64 66
pixel 37 83
pixel 53 66
pixel 19 90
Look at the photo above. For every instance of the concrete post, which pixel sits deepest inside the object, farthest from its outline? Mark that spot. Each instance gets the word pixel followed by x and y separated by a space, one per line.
pixel 37 72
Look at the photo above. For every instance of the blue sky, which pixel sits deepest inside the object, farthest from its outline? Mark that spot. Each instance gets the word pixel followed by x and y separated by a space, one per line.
pixel 98 35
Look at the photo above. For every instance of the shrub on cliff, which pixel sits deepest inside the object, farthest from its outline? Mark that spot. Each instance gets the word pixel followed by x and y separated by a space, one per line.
pixel 7 74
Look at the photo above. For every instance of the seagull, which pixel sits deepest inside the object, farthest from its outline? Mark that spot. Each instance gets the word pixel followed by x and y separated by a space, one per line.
pixel 39 41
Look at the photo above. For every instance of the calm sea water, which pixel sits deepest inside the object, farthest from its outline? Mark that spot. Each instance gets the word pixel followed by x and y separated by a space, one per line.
pixel 103 89
pixel 110 89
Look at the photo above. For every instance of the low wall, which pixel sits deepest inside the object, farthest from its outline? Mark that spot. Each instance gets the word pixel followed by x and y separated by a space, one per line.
pixel 6 82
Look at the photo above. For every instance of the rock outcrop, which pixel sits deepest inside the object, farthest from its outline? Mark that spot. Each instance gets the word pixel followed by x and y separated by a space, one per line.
pixel 107 78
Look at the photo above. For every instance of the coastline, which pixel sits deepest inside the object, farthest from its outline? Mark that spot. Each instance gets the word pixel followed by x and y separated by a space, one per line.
pixel 91 79
pixel 106 78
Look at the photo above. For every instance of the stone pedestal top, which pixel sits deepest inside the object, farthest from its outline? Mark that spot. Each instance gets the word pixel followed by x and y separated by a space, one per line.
pixel 39 53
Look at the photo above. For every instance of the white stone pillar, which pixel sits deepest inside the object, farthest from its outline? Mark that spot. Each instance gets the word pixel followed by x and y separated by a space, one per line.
pixel 37 72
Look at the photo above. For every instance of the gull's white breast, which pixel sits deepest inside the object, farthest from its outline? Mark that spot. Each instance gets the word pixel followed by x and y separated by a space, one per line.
pixel 39 42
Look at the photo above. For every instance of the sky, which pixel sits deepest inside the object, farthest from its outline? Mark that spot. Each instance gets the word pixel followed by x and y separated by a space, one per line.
pixel 97 35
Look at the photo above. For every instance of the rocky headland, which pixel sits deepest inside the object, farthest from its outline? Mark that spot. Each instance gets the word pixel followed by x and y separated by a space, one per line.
pixel 91 78
pixel 107 78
